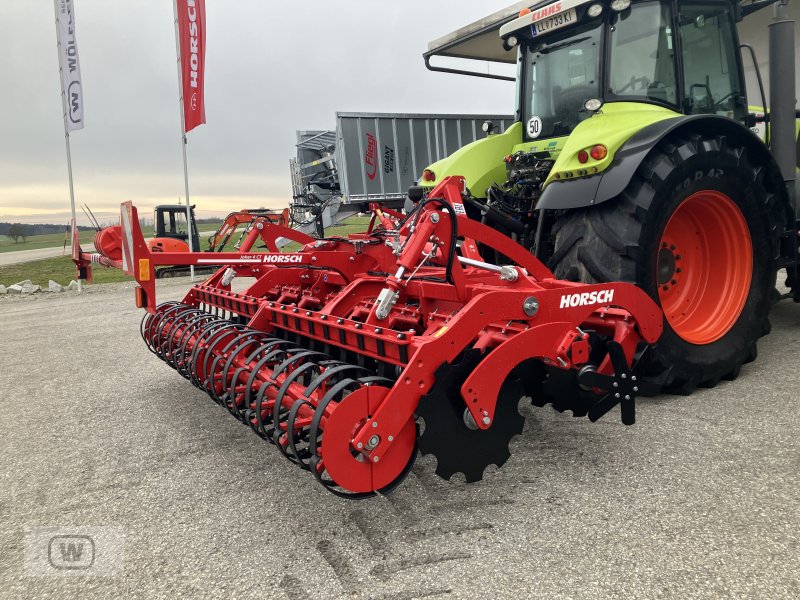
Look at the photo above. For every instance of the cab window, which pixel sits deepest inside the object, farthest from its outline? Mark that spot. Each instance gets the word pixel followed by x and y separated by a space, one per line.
pixel 712 82
pixel 642 54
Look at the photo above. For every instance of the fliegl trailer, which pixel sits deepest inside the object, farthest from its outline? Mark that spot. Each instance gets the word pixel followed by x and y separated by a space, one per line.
pixel 631 171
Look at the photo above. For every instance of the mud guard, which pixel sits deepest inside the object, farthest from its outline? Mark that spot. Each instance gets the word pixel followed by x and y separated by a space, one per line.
pixel 590 191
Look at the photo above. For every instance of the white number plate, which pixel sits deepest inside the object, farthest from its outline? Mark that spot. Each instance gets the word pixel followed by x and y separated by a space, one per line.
pixel 555 22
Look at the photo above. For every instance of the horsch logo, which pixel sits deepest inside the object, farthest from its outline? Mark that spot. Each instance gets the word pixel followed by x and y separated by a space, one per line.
pixel 587 299
pixel 282 258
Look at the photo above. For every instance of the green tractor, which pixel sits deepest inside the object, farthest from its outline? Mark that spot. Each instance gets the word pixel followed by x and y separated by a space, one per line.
pixel 633 159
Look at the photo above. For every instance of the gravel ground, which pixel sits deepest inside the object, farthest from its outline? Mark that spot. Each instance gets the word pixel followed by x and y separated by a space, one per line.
pixel 698 500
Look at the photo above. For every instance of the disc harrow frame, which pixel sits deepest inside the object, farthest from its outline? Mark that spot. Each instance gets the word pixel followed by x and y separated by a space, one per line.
pixel 329 350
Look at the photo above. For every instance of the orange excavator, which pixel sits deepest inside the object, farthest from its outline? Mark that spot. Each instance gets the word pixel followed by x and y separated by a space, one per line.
pixel 172 233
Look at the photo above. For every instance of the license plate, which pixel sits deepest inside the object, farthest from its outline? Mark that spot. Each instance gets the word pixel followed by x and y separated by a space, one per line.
pixel 554 22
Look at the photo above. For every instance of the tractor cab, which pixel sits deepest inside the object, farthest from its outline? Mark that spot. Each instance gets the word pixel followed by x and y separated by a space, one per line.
pixel 577 55
pixel 171 230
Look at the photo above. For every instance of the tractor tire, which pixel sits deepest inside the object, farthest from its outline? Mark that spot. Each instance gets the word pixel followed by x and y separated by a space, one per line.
pixel 698 229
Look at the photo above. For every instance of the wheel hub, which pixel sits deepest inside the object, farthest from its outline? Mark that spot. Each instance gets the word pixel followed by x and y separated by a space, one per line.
pixel 351 469
pixel 666 264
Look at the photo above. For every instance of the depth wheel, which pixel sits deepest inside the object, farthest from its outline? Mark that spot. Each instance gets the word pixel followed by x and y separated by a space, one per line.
pixel 698 229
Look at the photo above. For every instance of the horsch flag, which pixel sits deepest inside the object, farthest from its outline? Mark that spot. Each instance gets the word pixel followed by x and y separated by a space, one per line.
pixel 70 66
pixel 192 33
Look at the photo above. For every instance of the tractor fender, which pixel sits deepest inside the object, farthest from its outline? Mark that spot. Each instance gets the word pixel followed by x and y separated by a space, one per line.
pixel 590 191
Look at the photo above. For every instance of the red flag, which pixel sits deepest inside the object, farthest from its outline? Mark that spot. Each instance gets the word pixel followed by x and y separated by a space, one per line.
pixel 192 33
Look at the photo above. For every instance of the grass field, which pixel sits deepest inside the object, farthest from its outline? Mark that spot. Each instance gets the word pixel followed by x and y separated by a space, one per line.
pixel 62 269
pixel 35 242
pixel 56 240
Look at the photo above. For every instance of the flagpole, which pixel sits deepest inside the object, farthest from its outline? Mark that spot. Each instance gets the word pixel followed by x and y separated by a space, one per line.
pixel 66 127
pixel 183 136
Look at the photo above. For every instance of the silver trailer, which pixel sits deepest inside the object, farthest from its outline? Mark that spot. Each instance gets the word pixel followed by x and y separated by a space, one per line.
pixel 373 157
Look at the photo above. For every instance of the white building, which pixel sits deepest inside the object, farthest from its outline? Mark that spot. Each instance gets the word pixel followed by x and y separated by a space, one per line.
pixel 754 30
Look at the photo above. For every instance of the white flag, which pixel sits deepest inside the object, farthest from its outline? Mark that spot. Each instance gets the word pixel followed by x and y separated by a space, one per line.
pixel 70 66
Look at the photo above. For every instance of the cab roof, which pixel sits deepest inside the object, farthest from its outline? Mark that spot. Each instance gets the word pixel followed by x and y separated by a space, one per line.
pixel 480 40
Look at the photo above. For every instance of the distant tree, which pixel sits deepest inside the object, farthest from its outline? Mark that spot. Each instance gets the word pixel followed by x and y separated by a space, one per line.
pixel 17 231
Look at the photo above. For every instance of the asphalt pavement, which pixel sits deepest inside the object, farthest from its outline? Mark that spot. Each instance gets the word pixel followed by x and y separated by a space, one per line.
pixel 24 256
pixel 698 500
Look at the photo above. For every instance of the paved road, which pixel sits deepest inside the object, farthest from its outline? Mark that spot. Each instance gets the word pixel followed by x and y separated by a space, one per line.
pixel 24 256
pixel 698 500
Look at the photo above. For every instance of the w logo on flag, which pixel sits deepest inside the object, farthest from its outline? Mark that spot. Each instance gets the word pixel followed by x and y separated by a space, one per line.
pixel 75 99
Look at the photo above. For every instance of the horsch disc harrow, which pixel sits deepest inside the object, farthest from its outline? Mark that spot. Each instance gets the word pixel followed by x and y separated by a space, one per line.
pixel 353 354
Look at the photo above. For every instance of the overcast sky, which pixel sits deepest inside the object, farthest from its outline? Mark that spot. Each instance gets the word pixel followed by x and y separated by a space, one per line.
pixel 272 68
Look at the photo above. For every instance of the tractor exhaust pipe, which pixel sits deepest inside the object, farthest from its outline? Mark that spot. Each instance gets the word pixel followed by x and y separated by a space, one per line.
pixel 782 96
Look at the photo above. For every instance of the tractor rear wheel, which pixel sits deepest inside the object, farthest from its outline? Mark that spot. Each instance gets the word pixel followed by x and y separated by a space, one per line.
pixel 697 229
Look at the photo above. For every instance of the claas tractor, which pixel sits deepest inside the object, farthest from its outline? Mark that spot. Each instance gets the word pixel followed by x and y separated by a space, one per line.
pixel 633 160
pixel 622 238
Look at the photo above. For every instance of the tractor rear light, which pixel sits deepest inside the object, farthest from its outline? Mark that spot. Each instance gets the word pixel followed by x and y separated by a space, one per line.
pixel 509 159
pixel 599 152
pixel 428 175
pixel 595 10
pixel 583 156
pixel 620 5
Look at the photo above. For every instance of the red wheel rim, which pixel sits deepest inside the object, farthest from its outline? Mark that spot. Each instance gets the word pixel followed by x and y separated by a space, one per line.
pixel 704 267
